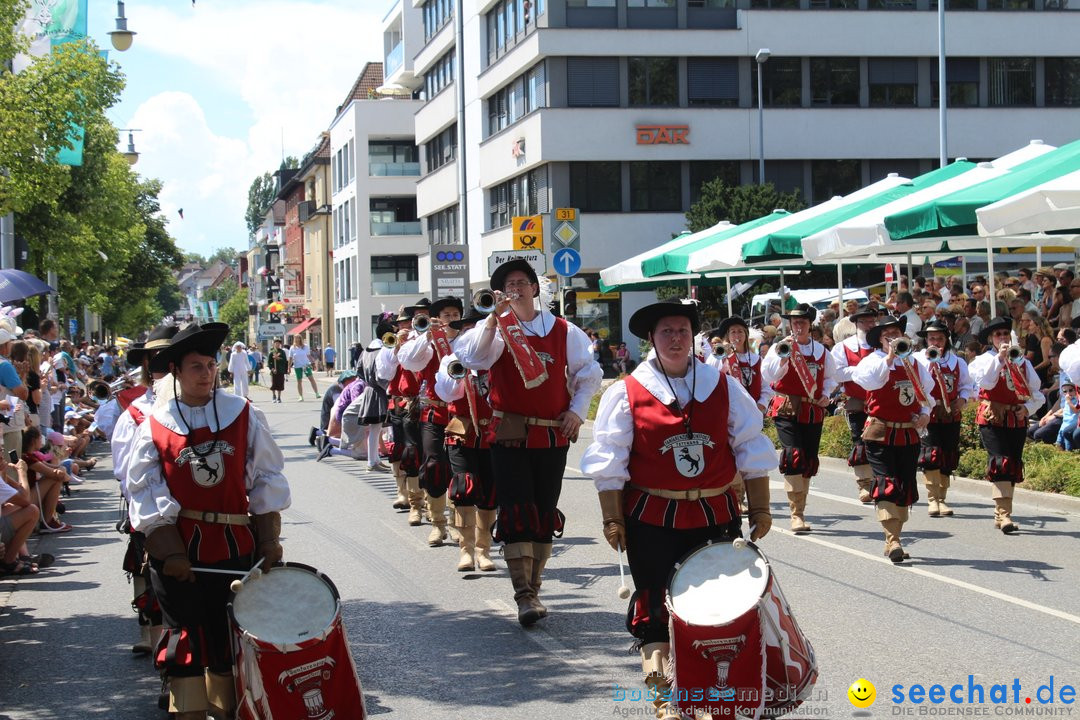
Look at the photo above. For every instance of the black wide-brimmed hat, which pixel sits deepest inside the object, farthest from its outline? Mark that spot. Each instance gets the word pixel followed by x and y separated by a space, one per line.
pixel 873 335
pixel 203 339
pixel 473 317
pixel 729 323
pixel 998 323
pixel 447 302
pixel 498 278
pixel 159 339
pixel 410 310
pixel 644 320
pixel 802 310
pixel 935 326
pixel 864 311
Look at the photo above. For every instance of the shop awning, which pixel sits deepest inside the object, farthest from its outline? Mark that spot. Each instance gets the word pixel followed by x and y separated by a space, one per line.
pixel 304 326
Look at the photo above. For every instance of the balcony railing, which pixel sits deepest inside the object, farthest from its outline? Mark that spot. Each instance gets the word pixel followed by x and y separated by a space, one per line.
pixel 394 59
pixel 396 228
pixel 407 287
pixel 403 169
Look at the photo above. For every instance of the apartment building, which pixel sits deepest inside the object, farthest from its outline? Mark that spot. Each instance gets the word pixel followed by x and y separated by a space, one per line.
pixel 624 108
pixel 378 246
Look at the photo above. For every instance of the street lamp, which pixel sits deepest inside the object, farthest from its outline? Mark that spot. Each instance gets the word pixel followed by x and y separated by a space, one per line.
pixel 761 56
pixel 121 37
pixel 131 154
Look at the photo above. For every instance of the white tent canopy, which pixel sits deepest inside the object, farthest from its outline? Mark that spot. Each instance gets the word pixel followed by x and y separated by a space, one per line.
pixel 1054 205
pixel 865 234
pixel 629 272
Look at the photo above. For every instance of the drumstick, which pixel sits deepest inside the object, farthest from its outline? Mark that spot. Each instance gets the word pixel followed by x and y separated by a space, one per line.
pixel 624 592
pixel 235 585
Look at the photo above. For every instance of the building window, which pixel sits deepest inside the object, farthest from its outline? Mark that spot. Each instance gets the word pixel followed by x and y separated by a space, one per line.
pixel 904 168
pixel 521 96
pixel 392 157
pixel 834 81
pixel 834 4
pixel 443 226
pixel 526 194
pixel 1010 4
pixel 394 275
pixel 653 81
pixel 347 215
pixel 834 177
pixel 592 82
pixel 703 171
pixel 774 4
pixel 655 187
pixel 351 160
pixel 591 3
pixel 962 79
pixel 784 175
pixel 1062 82
pixel 893 82
pixel 436 14
pixel 712 81
pixel 781 83
pixel 1012 81
pixel 440 75
pixel 441 149
pixel 394 216
pixel 509 21
pixel 596 186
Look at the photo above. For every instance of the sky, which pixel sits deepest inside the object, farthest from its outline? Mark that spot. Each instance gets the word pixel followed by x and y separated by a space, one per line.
pixel 223 89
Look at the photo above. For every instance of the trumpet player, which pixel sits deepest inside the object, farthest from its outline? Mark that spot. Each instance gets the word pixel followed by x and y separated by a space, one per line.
pixel 740 362
pixel 533 425
pixel 472 483
pixel 421 355
pixel 1008 395
pixel 847 356
pixel 802 374
pixel 897 412
pixel 952 390
pixel 402 390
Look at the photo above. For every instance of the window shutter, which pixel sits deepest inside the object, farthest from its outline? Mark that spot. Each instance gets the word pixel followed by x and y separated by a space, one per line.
pixel 713 78
pixel 592 82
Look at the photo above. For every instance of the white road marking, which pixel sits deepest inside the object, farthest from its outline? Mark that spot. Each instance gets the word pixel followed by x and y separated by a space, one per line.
pixel 1060 614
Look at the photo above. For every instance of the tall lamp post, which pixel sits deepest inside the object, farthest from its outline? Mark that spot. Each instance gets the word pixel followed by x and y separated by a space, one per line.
pixel 760 58
pixel 131 153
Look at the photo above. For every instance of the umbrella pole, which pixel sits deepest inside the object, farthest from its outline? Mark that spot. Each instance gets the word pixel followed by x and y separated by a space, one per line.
pixel 727 278
pixel 840 288
pixel 1038 255
pixel 992 295
pixel 910 274
pixel 963 271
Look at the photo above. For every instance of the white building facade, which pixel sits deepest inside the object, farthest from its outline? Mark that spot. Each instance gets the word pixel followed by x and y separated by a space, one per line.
pixel 624 108
pixel 378 247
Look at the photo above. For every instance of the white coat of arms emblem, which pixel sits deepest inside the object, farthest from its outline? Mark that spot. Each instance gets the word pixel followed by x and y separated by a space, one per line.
pixel 688 452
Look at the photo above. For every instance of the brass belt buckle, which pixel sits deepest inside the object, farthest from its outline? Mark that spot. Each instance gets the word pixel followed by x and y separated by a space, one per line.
pixel 694 494
pixel 209 516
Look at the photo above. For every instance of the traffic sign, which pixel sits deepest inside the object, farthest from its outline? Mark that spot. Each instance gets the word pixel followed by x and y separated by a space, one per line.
pixel 567 261
pixel 270 330
pixel 536 258
pixel 449 270
pixel 528 232
pixel 566 231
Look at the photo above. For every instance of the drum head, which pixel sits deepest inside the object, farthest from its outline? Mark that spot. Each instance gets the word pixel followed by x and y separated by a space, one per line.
pixel 287 605
pixel 717 584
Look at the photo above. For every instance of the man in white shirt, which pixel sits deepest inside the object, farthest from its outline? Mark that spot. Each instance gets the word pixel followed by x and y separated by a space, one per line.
pixel 905 306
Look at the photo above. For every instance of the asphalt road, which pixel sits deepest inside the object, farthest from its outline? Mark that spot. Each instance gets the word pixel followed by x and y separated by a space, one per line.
pixel 429 641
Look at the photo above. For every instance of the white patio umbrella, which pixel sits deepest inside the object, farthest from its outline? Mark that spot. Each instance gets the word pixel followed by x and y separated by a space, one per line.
pixel 629 271
pixel 1054 205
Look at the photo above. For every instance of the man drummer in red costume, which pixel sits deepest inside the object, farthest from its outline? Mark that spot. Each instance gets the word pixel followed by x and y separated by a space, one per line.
pixel 668 442
pixel 206 487
pixel 846 356
pixel 952 390
pixel 134 405
pixel 531 428
pixel 803 377
pixel 1008 394
pixel 898 409
pixel 419 356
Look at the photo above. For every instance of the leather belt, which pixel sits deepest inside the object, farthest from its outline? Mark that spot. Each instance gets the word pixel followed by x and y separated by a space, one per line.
pixel 797 397
pixel 896 425
pixel 209 516
pixel 693 494
pixel 539 422
pixel 431 402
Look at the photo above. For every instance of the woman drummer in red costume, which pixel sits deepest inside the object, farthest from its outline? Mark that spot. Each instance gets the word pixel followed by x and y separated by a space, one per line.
pixel 668 443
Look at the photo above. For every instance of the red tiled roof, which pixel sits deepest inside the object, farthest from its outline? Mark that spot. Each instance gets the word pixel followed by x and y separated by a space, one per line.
pixel 369 80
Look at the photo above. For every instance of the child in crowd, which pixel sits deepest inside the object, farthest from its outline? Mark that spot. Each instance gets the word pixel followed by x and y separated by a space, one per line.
pixel 1070 410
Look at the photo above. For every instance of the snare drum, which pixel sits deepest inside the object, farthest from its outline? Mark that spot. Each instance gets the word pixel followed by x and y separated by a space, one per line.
pixel 734 641
pixel 290 652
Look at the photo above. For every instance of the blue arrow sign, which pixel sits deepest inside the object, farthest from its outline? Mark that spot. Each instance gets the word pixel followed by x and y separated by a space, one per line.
pixel 567 261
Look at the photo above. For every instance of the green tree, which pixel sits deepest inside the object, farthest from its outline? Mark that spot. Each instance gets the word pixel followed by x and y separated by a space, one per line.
pixel 72 85
pixel 261 195
pixel 11 14
pixel 738 204
pixel 235 313
pixel 222 293
pixel 226 255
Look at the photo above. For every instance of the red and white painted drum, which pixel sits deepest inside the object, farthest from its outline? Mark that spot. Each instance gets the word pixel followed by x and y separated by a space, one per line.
pixel 735 645
pixel 290 653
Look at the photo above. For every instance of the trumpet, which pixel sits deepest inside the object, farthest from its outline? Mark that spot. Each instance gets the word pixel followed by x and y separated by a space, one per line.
pixel 722 349
pixel 421 324
pixel 901 347
pixel 102 392
pixel 483 302
pixel 933 354
pixel 1015 354
pixel 389 340
pixel 784 348
pixel 456 370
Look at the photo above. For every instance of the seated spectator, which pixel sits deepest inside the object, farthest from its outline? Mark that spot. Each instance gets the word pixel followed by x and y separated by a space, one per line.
pixel 972 350
pixel 1068 437
pixel 622 359
pixel 18 518
pixel 45 481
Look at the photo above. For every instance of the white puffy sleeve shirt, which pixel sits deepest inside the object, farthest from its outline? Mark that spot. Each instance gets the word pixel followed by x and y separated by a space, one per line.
pixel 106 418
pixel 872 373
pixel 773 367
pixel 153 506
pixel 607 459
pixel 985 373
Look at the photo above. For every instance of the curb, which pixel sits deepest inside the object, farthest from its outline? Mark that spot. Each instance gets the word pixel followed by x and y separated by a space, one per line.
pixel 1052 502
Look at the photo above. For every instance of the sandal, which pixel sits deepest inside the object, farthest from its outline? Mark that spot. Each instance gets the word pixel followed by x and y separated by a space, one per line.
pixel 17 568
pixel 50 530
pixel 42 560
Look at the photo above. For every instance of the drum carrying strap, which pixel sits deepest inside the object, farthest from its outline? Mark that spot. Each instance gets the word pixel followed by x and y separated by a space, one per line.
pixel 209 516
